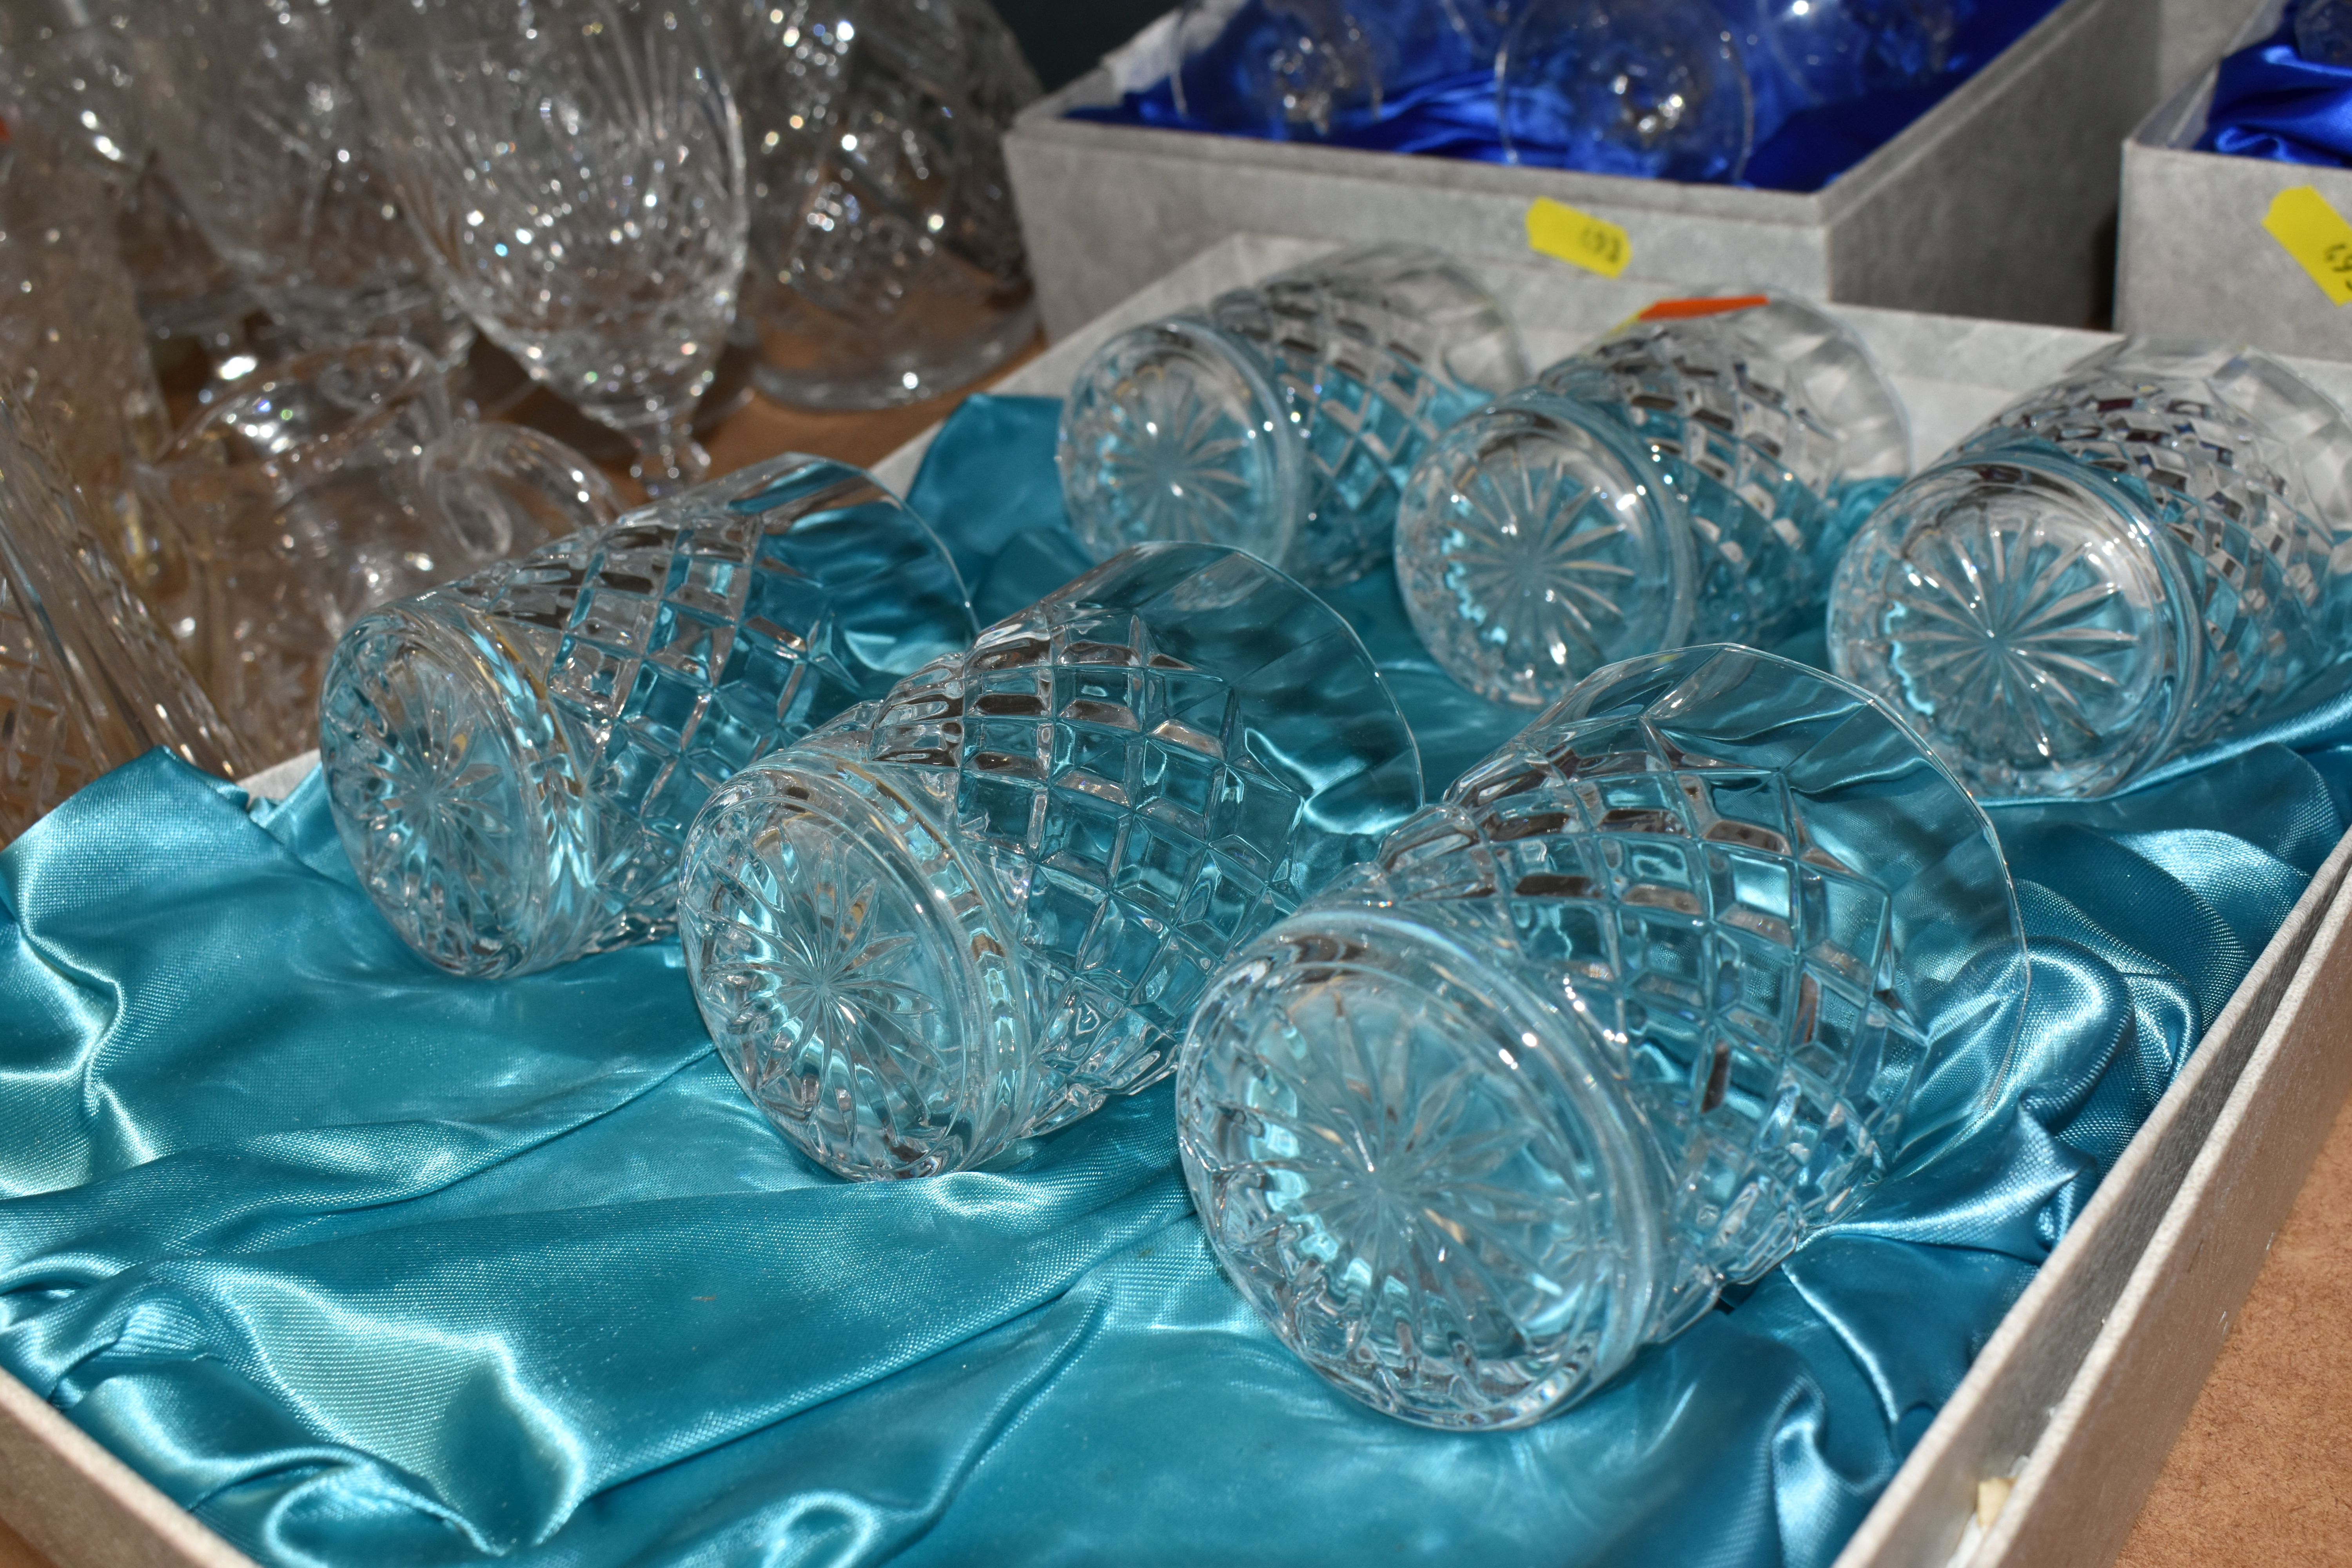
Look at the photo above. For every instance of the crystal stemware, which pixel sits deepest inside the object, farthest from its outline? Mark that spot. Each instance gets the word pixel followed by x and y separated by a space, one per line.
pixel 1655 992
pixel 252 107
pixel 577 167
pixel 886 261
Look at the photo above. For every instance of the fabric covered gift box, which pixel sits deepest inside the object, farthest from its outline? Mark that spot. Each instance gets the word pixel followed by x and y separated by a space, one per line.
pixel 2194 255
pixel 362 1263
pixel 1997 202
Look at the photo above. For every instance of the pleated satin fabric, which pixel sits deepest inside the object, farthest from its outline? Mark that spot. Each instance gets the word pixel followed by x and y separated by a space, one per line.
pixel 365 1264
pixel 2271 102
pixel 1451 112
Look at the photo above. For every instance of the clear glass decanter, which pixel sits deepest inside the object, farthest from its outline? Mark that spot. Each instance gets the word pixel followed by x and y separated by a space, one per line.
pixel 1652 994
pixel 513 759
pixel 1283 420
pixel 2120 567
pixel 973 912
pixel 1689 479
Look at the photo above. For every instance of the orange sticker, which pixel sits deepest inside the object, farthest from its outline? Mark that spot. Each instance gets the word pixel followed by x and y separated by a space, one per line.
pixel 1685 310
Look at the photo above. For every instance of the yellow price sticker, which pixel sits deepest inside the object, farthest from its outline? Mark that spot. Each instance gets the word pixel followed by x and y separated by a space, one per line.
pixel 1559 230
pixel 2317 236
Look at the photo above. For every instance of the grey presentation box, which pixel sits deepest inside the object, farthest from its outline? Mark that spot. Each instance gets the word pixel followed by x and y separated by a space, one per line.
pixel 2194 260
pixel 1999 202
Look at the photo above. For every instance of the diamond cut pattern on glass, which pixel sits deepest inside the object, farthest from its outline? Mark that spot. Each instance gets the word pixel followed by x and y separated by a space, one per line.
pixel 1143 838
pixel 1753 464
pixel 1745 973
pixel 1362 379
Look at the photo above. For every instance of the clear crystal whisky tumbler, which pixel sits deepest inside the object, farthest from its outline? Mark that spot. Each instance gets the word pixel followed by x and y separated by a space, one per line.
pixel 513 759
pixel 2123 566
pixel 976 911
pixel 1283 420
pixel 1654 992
pixel 1689 479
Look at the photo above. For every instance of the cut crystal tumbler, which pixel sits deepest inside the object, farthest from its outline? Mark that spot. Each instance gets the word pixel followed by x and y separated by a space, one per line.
pixel 87 682
pixel 308 493
pixel 1283 420
pixel 886 263
pixel 1658 989
pixel 973 912
pixel 1689 479
pixel 513 761
pixel 2137 561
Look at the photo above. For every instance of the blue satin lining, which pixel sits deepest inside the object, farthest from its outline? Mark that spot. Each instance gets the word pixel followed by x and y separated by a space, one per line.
pixel 1453 114
pixel 2271 102
pixel 370 1264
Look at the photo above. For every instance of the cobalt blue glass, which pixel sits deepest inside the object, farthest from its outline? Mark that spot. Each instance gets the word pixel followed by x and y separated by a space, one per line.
pixel 513 759
pixel 973 912
pixel 2123 566
pixel 1656 991
pixel 1282 419
pixel 1689 479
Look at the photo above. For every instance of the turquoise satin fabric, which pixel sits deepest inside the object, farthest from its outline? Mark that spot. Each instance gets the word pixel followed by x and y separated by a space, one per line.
pixel 368 1265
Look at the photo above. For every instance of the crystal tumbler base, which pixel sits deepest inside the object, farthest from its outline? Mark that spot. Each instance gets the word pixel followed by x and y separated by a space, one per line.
pixel 1417 1176
pixel 854 969
pixel 458 791
pixel 2028 623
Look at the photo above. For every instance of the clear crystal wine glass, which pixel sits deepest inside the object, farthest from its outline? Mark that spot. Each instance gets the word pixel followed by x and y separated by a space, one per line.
pixel 886 261
pixel 253 110
pixel 577 167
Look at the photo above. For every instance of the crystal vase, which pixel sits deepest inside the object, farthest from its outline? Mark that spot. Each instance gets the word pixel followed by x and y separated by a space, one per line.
pixel 1689 479
pixel 1283 420
pixel 976 911
pixel 1656 991
pixel 2135 562
pixel 513 759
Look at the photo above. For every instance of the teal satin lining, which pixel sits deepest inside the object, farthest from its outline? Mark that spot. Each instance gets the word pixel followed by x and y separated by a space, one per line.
pixel 368 1265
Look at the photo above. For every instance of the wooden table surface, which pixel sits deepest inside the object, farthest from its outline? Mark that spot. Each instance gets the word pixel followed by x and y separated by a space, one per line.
pixel 2261 1474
